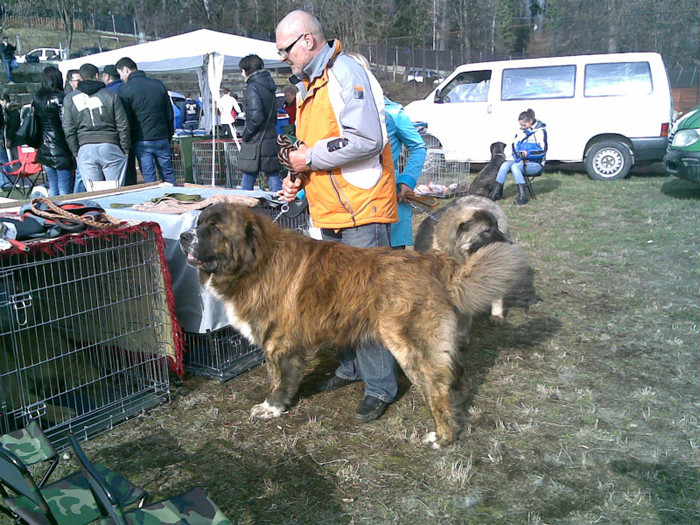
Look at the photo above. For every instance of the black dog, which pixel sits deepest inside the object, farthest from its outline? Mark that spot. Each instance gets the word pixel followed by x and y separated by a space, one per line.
pixel 485 180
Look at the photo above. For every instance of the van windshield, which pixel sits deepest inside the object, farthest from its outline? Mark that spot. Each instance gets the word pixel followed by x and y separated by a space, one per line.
pixel 470 86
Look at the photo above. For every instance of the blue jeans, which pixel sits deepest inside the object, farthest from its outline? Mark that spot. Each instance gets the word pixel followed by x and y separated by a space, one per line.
pixel 4 181
pixel 273 179
pixel 8 69
pixel 60 181
pixel 516 168
pixel 79 186
pixel 370 361
pixel 152 154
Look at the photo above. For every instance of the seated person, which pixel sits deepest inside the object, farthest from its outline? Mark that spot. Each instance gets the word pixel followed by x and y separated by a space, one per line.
pixel 529 149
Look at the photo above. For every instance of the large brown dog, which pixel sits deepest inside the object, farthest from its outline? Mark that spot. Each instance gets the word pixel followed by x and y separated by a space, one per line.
pixel 292 295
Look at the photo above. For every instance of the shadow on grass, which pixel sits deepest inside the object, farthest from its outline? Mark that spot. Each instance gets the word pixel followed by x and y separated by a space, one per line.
pixel 673 487
pixel 249 486
pixel 681 189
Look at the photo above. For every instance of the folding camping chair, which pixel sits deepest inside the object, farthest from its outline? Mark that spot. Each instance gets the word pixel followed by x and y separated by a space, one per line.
pixel 193 507
pixel 24 168
pixel 528 182
pixel 68 501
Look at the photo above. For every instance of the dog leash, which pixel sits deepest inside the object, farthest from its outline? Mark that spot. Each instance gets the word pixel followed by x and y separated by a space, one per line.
pixel 413 200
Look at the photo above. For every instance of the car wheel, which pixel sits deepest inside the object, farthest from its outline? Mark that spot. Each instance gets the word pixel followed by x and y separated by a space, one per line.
pixel 608 160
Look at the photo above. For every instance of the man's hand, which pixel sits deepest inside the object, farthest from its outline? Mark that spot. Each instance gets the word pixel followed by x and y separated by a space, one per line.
pixel 289 189
pixel 403 190
pixel 297 159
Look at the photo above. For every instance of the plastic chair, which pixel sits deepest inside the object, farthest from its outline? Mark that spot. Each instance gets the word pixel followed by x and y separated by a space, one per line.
pixel 68 501
pixel 193 507
pixel 24 168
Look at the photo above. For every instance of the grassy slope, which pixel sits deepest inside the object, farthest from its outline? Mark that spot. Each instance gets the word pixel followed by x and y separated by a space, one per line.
pixel 582 409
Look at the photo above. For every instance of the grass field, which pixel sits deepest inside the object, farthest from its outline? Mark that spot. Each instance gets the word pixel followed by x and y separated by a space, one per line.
pixel 582 409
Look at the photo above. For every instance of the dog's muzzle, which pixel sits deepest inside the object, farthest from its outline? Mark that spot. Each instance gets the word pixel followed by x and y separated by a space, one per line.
pixel 189 244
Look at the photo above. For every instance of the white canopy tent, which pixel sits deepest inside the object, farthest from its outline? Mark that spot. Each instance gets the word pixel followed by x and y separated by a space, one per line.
pixel 207 52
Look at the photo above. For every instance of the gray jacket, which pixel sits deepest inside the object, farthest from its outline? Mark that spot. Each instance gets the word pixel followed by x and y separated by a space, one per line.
pixel 93 114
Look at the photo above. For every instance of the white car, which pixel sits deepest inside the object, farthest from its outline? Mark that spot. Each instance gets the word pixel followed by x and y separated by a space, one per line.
pixel 42 54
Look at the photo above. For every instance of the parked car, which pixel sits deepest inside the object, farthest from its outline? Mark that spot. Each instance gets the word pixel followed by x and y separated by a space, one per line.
pixel 40 54
pixel 683 154
pixel 608 111
pixel 87 51
pixel 424 75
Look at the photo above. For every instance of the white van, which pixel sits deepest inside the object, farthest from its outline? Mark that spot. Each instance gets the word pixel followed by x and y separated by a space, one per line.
pixel 608 111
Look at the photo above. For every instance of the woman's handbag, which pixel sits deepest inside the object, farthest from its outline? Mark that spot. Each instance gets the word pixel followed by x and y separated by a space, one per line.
pixel 29 132
pixel 249 157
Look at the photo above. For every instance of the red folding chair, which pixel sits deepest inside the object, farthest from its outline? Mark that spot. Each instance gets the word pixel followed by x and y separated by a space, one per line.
pixel 24 168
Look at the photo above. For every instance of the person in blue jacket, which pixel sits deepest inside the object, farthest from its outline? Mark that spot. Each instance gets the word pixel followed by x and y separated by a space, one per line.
pixel 401 131
pixel 529 150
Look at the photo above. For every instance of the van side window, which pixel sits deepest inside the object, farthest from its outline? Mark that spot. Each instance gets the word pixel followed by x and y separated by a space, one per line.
pixel 538 82
pixel 470 86
pixel 620 78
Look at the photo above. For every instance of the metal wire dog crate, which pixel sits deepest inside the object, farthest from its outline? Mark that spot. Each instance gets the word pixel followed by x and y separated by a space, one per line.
pixel 178 165
pixel 220 354
pixel 441 177
pixel 224 154
pixel 85 332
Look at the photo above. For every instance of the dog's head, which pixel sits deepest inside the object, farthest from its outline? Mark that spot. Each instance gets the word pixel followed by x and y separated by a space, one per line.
pixel 498 148
pixel 467 229
pixel 227 240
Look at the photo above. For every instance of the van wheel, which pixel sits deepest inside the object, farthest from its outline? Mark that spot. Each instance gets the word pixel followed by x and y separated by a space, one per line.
pixel 608 160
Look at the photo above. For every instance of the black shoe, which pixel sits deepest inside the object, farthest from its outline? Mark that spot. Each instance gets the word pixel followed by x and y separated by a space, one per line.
pixel 332 383
pixel 371 408
pixel 497 192
pixel 522 197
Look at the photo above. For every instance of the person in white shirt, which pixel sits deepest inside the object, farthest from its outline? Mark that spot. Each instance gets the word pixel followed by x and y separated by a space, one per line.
pixel 229 109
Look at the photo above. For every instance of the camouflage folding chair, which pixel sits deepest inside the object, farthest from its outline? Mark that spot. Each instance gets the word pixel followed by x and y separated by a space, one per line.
pixel 68 501
pixel 193 507
pixel 32 447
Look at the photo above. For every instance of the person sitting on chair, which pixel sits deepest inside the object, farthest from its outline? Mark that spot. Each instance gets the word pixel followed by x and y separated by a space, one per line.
pixel 529 149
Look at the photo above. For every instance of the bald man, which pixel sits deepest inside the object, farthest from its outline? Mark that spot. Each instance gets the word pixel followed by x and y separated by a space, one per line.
pixel 347 173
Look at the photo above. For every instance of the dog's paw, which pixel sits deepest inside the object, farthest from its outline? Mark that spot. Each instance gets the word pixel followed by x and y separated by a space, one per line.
pixel 497 320
pixel 430 440
pixel 266 411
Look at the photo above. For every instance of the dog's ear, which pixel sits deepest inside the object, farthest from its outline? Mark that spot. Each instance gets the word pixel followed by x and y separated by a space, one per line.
pixel 253 240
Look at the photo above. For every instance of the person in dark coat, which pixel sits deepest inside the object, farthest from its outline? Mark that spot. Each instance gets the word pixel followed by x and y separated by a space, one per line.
pixel 54 153
pixel 7 51
pixel 10 110
pixel 260 133
pixel 150 112
pixel 111 78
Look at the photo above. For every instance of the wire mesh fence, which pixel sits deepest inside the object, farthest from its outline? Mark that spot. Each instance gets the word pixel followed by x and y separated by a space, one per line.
pixel 85 333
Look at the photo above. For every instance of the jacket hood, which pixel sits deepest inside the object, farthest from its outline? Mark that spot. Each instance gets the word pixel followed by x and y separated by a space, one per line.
pixel 90 87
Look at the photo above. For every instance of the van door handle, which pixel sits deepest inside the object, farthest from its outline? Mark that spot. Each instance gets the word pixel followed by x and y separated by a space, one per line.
pixel 488 108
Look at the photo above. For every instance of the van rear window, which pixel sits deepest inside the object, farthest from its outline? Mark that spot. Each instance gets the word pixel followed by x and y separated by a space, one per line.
pixel 616 79
pixel 538 82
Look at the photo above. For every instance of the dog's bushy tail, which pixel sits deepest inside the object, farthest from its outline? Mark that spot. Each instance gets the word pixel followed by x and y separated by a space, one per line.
pixel 489 274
